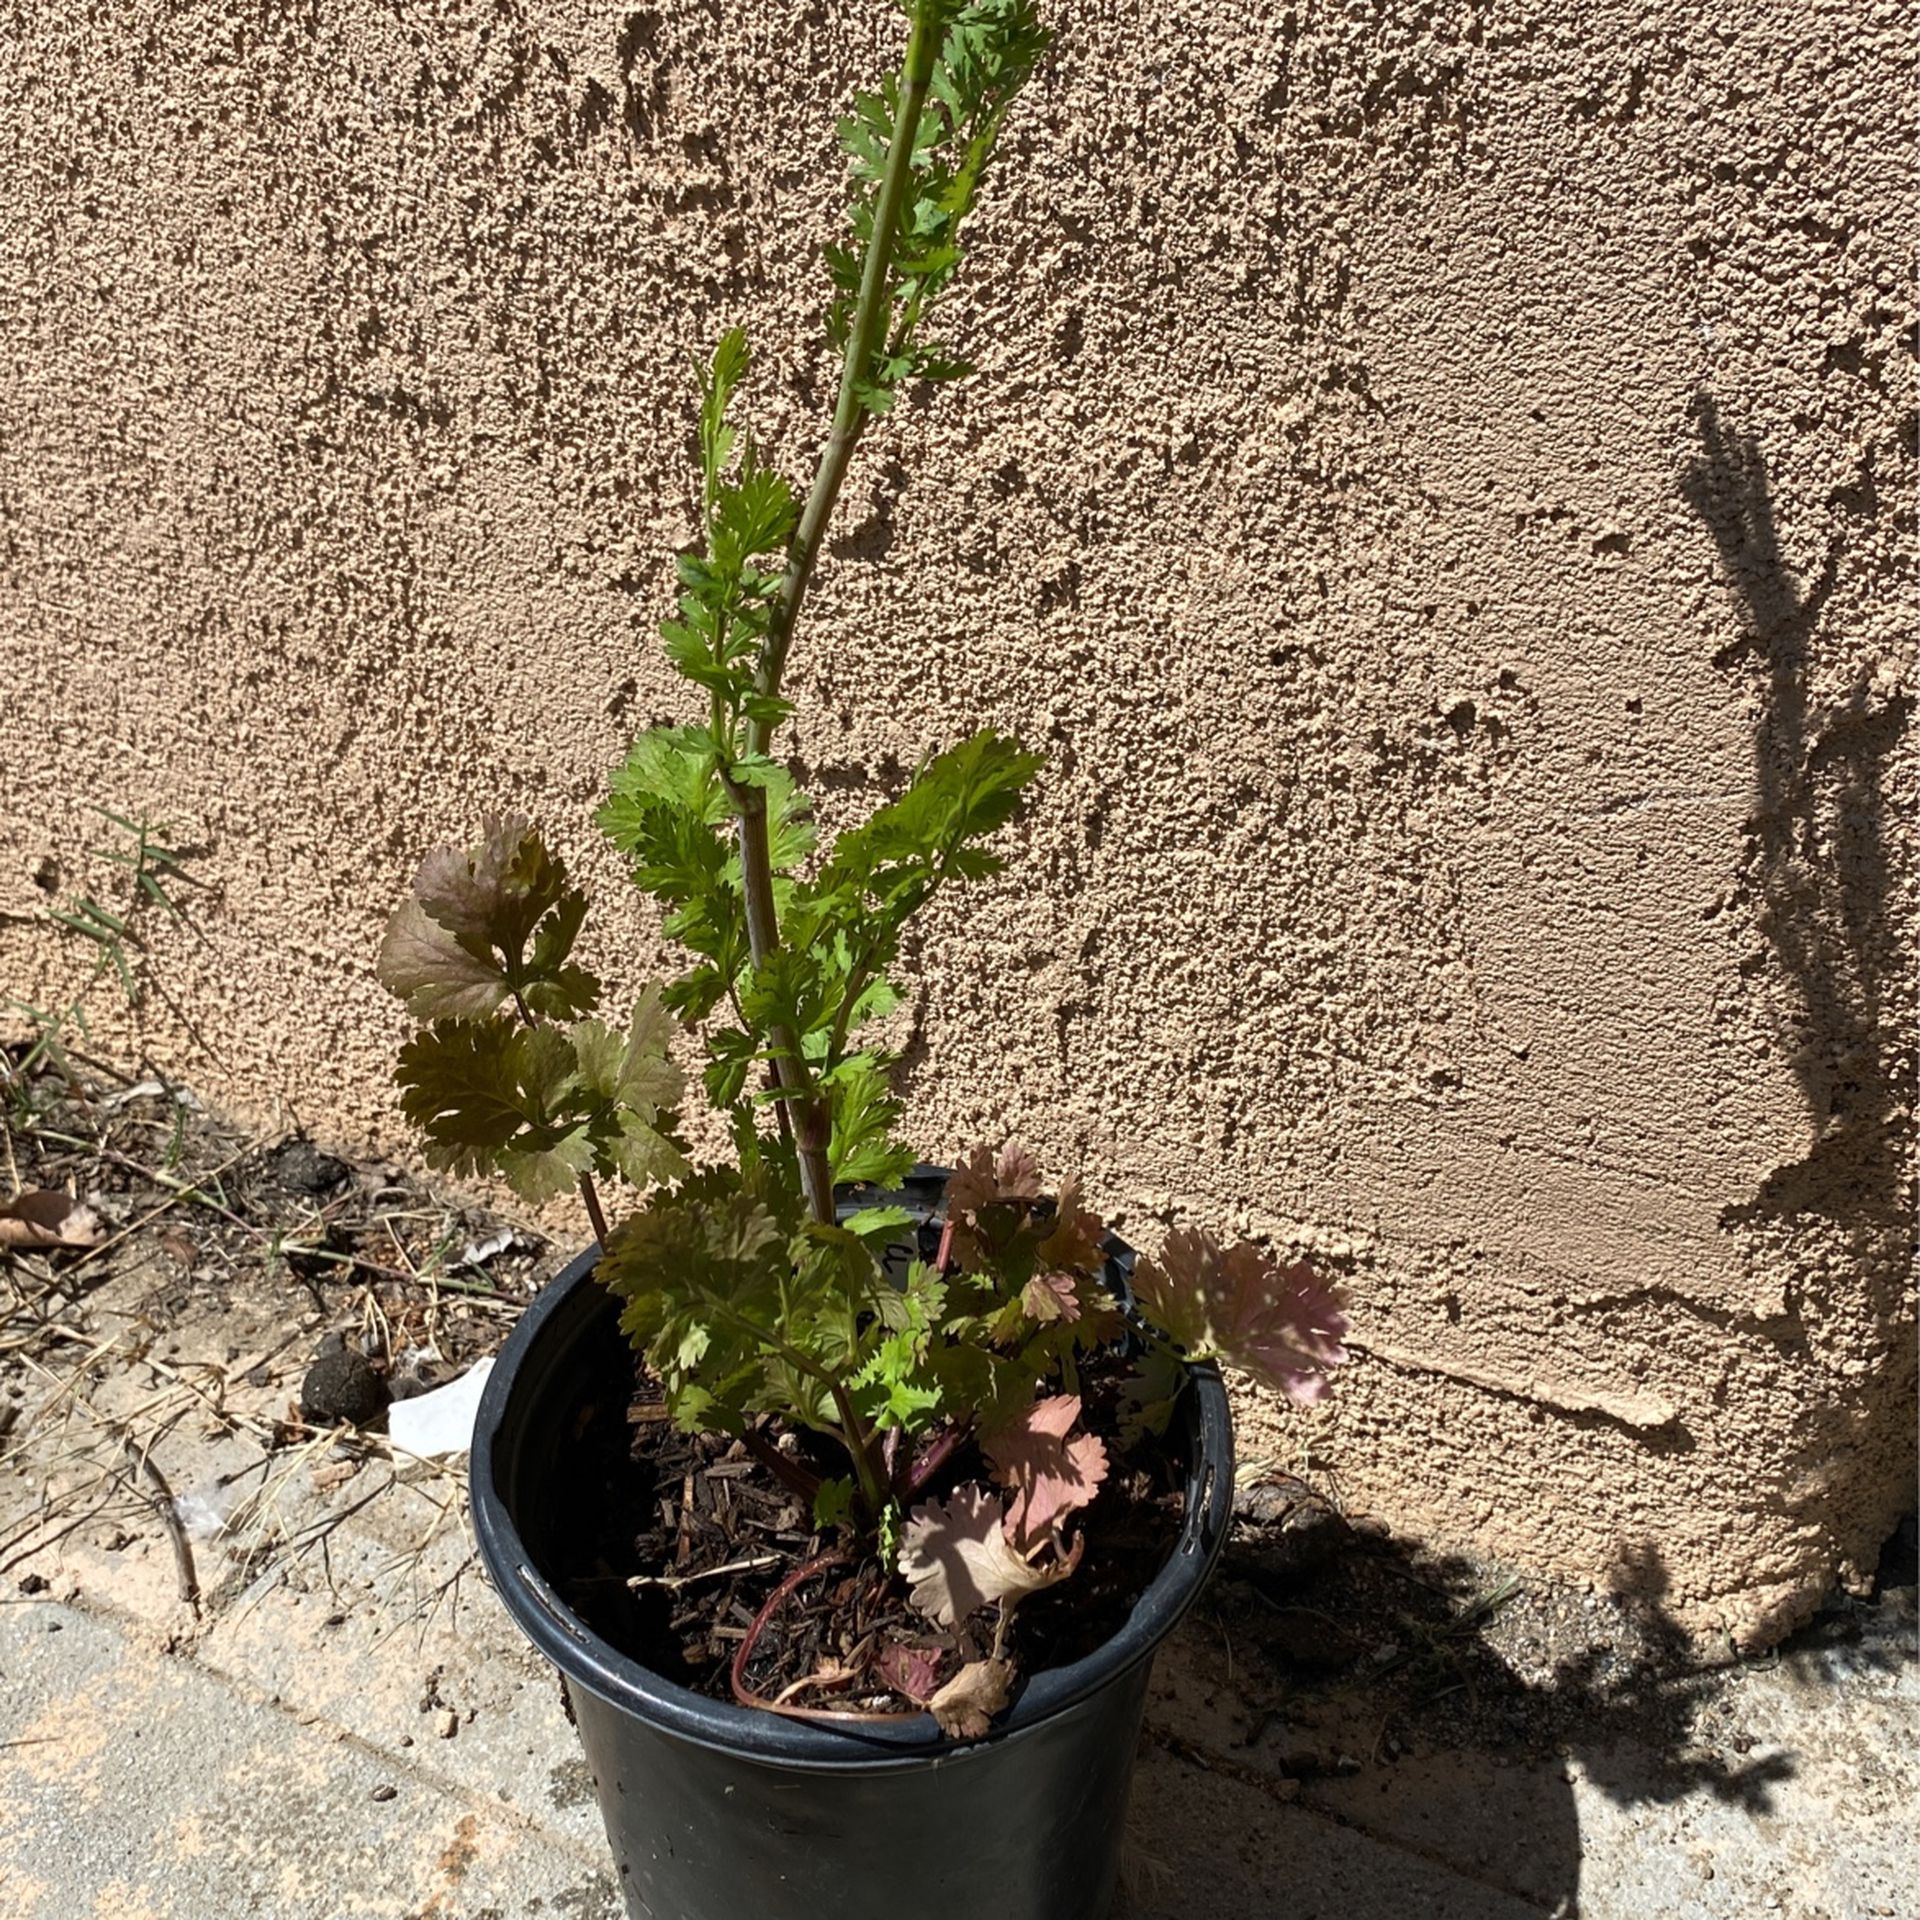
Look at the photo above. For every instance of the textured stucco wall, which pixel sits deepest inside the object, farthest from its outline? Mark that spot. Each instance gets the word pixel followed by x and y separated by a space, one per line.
pixel 1440 488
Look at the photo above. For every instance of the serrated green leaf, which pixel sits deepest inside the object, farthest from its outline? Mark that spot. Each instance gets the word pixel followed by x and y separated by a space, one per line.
pixel 863 1112
pixel 490 1097
pixel 879 1226
pixel 832 1505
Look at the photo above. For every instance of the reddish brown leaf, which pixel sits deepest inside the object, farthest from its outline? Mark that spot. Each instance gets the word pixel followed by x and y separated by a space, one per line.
pixel 913 1671
pixel 1051 1296
pixel 178 1245
pixel 41 1217
pixel 1075 1239
pixel 1050 1474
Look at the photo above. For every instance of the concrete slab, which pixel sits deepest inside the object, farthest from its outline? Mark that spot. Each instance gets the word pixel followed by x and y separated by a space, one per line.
pixel 1208 1846
pixel 137 1786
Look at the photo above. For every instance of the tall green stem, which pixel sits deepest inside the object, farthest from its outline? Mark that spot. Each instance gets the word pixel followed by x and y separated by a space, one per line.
pixel 872 312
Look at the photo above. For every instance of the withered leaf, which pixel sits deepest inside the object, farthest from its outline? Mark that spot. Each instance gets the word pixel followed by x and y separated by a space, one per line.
pixel 41 1217
pixel 957 1558
pixel 965 1706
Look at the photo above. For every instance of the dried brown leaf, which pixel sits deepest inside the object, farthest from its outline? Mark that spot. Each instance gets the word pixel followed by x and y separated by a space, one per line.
pixel 957 1558
pixel 965 1706
pixel 42 1217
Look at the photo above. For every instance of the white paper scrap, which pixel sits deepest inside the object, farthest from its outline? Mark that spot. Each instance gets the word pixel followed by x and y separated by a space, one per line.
pixel 441 1422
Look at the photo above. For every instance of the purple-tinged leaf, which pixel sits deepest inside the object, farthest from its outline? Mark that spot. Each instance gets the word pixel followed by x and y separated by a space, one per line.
pixel 986 1177
pixel 433 973
pixel 1051 1296
pixel 912 1671
pixel 1279 1322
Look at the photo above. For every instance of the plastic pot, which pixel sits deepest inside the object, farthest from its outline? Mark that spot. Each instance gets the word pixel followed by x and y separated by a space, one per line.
pixel 720 1812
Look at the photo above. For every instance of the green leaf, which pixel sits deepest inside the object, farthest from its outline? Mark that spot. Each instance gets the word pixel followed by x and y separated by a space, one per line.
pixel 490 1097
pixel 756 516
pixel 631 1069
pixel 673 767
pixel 879 1227
pixel 832 1505
pixel 731 359
pixel 863 1112
pixel 553 985
pixel 632 1083
pixel 1148 1394
pixel 988 52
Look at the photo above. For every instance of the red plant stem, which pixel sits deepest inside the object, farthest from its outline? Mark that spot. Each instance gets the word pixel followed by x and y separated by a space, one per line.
pixel 790 1473
pixel 932 1457
pixel 801 1574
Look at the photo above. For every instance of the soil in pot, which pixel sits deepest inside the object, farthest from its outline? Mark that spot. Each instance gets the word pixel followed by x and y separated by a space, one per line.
pixel 668 1545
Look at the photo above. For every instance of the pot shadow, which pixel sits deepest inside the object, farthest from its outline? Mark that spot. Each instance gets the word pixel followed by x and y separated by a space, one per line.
pixel 1348 1726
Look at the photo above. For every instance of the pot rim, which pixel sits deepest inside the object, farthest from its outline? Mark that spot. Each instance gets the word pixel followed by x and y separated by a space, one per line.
pixel 585 1659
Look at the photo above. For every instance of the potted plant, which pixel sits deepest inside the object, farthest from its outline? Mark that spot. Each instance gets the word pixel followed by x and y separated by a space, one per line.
pixel 855 1578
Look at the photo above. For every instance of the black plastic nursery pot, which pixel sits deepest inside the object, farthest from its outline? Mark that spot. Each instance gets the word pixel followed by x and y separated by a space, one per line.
pixel 721 1812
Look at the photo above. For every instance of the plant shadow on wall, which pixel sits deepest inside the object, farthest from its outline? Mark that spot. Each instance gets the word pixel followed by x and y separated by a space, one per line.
pixel 1436 1709
pixel 1814 891
pixel 1815 874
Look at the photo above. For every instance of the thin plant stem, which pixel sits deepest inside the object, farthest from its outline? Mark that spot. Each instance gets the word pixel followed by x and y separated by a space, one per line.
pixel 811 1127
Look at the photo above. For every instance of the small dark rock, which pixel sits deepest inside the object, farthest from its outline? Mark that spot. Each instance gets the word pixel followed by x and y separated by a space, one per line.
pixel 1309 1537
pixel 1271 1500
pixel 384 1793
pixel 31 1583
pixel 299 1165
pixel 1900 1562
pixel 1306 1639
pixel 341 1385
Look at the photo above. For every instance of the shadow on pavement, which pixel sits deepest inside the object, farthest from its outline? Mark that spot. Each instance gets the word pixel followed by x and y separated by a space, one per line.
pixel 1436 1718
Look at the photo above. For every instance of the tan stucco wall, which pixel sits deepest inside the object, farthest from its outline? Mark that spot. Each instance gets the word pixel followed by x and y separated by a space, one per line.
pixel 1440 490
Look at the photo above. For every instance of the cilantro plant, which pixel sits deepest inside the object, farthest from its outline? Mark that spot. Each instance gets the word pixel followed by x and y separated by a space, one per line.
pixel 757 1302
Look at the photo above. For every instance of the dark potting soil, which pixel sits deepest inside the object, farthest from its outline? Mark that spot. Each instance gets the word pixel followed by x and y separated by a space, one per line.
pixel 668 1544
